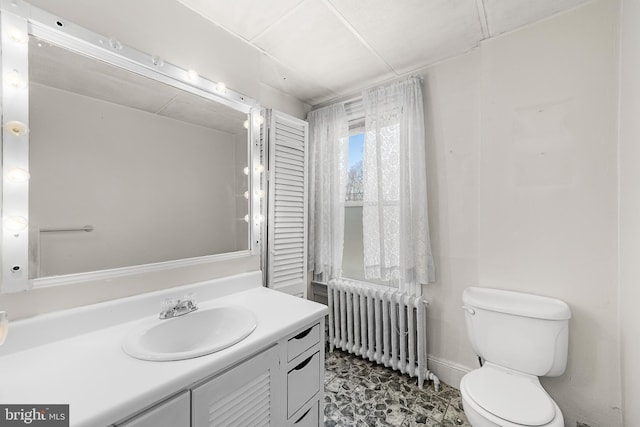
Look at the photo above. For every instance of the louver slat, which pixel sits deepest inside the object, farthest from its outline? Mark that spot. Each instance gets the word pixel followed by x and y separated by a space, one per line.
pixel 287 204
pixel 289 174
pixel 289 184
pixel 240 397
pixel 293 199
pixel 234 410
pixel 290 249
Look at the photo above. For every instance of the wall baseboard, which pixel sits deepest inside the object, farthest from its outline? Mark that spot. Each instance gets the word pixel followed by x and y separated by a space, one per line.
pixel 447 371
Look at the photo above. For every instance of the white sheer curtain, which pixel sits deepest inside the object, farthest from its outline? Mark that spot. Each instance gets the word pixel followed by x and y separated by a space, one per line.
pixel 394 215
pixel 328 145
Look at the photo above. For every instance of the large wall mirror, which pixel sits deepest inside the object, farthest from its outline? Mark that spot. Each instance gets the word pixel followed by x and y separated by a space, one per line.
pixel 113 159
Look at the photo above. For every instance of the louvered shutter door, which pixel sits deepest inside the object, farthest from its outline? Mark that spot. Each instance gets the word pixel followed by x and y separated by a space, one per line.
pixel 287 227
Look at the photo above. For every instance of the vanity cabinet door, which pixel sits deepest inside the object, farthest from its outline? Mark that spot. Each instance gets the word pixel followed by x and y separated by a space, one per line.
pixel 243 396
pixel 172 413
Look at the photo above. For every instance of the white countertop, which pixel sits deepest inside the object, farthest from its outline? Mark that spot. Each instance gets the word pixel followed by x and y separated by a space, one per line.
pixel 103 385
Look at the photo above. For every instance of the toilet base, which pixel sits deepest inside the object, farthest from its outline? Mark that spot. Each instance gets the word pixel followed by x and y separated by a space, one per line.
pixel 474 418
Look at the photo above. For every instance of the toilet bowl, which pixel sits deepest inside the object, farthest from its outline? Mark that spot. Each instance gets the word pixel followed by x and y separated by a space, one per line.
pixel 497 397
pixel 520 337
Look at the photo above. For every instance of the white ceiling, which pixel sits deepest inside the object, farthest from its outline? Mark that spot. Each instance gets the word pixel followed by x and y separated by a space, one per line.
pixel 318 50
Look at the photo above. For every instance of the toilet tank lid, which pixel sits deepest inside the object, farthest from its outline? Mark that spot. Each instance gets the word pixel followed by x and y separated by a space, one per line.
pixel 516 303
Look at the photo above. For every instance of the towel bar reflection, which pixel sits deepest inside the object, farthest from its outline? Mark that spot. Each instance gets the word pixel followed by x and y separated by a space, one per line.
pixel 87 228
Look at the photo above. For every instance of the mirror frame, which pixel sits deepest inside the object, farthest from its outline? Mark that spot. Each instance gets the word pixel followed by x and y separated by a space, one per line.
pixel 18 21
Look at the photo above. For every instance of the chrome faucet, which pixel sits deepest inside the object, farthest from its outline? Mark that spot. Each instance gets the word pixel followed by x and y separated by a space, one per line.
pixel 174 308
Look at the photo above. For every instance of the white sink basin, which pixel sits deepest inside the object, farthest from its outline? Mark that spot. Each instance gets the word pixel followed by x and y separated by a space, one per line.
pixel 192 335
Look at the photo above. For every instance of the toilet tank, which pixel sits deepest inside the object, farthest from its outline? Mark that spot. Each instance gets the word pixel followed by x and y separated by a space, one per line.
pixel 524 332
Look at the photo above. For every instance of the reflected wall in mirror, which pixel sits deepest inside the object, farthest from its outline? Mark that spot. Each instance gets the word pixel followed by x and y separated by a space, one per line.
pixel 155 171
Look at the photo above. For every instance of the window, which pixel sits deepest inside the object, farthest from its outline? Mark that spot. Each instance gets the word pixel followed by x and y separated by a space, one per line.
pixel 354 183
pixel 353 253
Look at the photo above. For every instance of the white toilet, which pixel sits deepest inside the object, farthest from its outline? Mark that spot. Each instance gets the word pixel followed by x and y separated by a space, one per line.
pixel 520 337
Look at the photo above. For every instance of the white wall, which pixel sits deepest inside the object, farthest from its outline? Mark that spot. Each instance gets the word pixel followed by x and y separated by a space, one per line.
pixel 522 157
pixel 630 210
pixel 452 123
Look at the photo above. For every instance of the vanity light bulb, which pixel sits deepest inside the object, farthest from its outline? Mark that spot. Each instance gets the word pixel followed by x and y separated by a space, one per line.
pixel 115 43
pixel 245 124
pixel 16 128
pixel 246 170
pixel 193 75
pixel 259 168
pixel 15 223
pixel 259 194
pixel 157 61
pixel 16 81
pixel 246 195
pixel 18 175
pixel 221 87
pixel 246 218
pixel 258 218
pixel 18 36
pixel 259 120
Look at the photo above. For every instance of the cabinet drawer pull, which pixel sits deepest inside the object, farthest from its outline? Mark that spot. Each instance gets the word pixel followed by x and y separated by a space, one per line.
pixel 304 363
pixel 303 334
pixel 303 415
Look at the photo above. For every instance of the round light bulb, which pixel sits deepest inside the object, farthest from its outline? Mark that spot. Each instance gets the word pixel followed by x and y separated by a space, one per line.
pixel 157 61
pixel 193 75
pixel 259 120
pixel 16 81
pixel 115 43
pixel 16 128
pixel 221 87
pixel 18 175
pixel 258 218
pixel 245 124
pixel 246 218
pixel 18 36
pixel 259 168
pixel 246 170
pixel 246 195
pixel 15 223
pixel 259 194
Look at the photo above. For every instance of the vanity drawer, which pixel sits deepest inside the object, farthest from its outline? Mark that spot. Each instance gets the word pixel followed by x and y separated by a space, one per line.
pixel 303 382
pixel 304 340
pixel 308 417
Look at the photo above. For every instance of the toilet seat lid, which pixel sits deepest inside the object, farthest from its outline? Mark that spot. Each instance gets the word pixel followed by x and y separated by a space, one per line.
pixel 517 398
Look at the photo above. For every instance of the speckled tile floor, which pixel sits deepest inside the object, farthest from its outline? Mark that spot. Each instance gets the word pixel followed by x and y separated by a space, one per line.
pixel 363 394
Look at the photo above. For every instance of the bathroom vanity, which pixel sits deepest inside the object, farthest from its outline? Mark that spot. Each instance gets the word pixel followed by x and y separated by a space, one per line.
pixel 274 376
